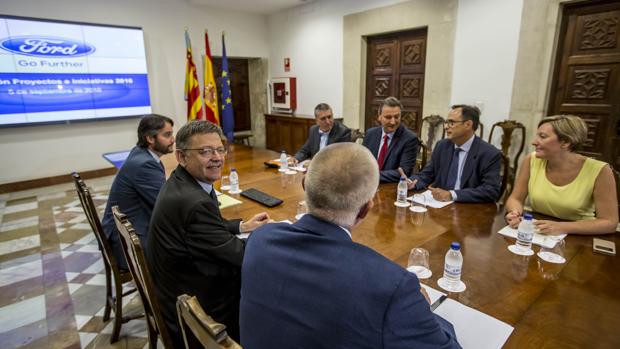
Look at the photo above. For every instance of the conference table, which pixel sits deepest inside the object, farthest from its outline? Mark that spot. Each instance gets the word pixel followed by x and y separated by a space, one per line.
pixel 570 305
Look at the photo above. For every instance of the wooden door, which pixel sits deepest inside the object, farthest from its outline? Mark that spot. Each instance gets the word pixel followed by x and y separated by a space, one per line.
pixel 240 90
pixel 587 74
pixel 395 67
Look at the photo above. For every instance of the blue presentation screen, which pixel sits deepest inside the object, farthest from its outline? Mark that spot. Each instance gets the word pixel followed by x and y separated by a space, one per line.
pixel 54 71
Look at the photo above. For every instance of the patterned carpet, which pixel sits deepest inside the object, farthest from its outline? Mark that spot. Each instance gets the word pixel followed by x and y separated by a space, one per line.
pixel 52 282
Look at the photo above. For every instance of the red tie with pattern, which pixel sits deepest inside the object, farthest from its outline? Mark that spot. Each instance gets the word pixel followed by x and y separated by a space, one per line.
pixel 383 151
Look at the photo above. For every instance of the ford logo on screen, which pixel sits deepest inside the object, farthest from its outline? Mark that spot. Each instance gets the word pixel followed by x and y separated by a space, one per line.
pixel 46 46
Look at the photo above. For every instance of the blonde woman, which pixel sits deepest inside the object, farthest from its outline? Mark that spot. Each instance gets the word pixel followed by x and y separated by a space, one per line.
pixel 564 184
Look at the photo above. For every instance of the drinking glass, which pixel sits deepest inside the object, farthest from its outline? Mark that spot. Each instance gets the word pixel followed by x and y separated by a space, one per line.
pixel 224 183
pixel 553 254
pixel 418 209
pixel 418 263
pixel 302 209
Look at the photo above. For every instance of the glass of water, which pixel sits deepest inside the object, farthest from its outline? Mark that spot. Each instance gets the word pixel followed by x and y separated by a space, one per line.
pixel 418 263
pixel 224 183
pixel 553 254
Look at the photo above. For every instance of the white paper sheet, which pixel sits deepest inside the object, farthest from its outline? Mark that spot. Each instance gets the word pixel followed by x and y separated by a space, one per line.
pixel 430 201
pixel 543 240
pixel 474 329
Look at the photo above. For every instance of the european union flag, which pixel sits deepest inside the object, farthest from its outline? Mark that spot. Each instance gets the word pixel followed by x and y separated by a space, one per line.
pixel 228 118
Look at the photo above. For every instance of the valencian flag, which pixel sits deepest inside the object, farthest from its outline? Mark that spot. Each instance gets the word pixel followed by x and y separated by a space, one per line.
pixel 210 91
pixel 192 87
pixel 228 118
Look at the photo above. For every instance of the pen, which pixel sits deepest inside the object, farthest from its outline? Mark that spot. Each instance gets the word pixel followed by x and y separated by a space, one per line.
pixel 438 302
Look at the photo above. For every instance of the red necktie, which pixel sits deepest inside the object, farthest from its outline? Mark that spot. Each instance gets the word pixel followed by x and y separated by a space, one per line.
pixel 383 151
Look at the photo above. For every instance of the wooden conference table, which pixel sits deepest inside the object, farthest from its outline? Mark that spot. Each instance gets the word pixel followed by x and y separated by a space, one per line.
pixel 571 305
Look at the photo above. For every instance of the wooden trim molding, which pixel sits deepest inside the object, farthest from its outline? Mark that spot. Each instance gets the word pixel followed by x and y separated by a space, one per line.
pixel 44 182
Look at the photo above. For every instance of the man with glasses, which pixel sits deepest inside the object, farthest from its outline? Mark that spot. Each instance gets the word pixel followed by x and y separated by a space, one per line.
pixel 463 167
pixel 393 144
pixel 324 133
pixel 192 248
pixel 138 181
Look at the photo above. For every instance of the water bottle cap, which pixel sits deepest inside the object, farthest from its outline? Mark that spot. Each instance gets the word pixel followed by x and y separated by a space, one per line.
pixel 233 170
pixel 455 246
pixel 402 178
pixel 528 216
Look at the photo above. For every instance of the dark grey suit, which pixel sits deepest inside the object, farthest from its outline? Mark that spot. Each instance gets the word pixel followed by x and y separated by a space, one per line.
pixel 194 250
pixel 402 151
pixel 338 133
pixel 134 190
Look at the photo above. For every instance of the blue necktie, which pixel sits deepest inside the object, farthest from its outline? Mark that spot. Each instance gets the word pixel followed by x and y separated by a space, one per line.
pixel 453 172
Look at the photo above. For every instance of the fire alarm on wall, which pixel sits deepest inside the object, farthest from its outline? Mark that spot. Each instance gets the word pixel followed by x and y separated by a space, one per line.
pixel 287 64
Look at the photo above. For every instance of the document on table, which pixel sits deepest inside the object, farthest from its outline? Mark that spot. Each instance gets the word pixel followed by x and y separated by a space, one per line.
pixel 299 168
pixel 429 200
pixel 473 328
pixel 226 201
pixel 539 239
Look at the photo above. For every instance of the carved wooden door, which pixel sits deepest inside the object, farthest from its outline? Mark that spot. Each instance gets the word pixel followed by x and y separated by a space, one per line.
pixel 587 74
pixel 395 67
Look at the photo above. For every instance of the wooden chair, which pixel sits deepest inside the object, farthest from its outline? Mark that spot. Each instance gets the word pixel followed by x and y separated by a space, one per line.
pixel 508 129
pixel 138 268
pixel 112 271
pixel 357 134
pixel 211 334
pixel 243 137
pixel 433 127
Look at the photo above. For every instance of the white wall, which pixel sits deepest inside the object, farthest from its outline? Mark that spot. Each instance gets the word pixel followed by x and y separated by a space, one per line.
pixel 41 151
pixel 485 55
pixel 311 36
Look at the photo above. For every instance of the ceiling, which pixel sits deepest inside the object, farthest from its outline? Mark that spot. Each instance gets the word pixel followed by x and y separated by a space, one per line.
pixel 254 6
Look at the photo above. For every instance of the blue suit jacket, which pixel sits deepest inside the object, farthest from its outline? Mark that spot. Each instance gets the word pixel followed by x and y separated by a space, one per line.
pixel 402 151
pixel 307 285
pixel 338 133
pixel 480 180
pixel 134 190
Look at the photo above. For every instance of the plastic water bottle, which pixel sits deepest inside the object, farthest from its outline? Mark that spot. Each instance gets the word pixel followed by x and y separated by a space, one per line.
pixel 453 265
pixel 234 181
pixel 401 191
pixel 525 232
pixel 283 161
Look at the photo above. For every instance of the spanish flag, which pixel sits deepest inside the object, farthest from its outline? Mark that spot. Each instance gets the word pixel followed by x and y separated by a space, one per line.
pixel 210 91
pixel 192 87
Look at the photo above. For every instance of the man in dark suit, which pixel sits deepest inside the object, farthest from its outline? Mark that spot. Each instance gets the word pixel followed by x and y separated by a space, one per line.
pixel 308 285
pixel 463 167
pixel 192 248
pixel 392 143
pixel 324 133
pixel 138 182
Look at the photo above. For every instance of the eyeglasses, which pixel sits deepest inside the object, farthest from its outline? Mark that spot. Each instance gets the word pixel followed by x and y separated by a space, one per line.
pixel 208 152
pixel 451 123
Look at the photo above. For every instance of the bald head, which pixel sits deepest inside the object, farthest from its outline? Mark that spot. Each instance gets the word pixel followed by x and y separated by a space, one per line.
pixel 342 178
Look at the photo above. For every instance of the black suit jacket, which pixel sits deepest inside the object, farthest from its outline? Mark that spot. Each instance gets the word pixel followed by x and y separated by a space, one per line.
pixel 402 151
pixel 480 180
pixel 338 133
pixel 193 250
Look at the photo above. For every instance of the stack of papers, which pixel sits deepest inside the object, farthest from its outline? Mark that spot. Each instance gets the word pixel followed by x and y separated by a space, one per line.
pixel 473 328
pixel 547 241
pixel 429 200
pixel 226 201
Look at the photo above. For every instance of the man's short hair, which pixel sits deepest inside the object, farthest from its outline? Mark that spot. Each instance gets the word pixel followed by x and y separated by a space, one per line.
pixel 150 125
pixel 193 128
pixel 321 107
pixel 469 112
pixel 341 179
pixel 390 102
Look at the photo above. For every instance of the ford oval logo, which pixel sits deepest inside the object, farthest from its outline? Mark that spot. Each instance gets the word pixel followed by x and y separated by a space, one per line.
pixel 46 46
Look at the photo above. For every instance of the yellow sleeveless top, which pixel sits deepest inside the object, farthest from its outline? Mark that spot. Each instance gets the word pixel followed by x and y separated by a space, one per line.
pixel 574 201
